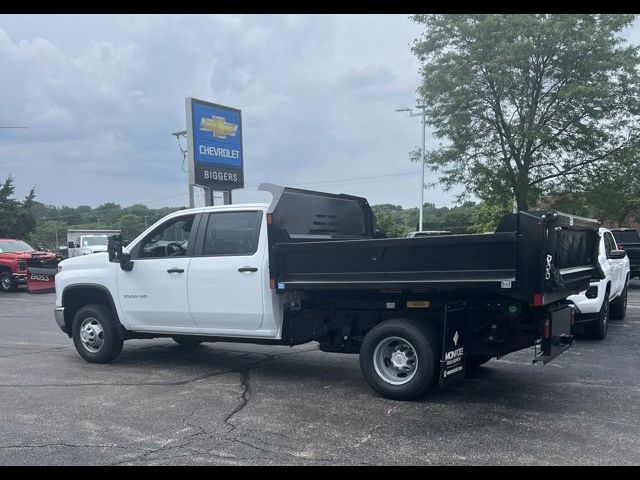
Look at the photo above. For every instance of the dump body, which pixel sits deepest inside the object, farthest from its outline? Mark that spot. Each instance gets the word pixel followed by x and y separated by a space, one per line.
pixel 534 257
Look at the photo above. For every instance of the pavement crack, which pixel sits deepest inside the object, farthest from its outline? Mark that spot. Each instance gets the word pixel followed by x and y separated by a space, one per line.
pixel 244 399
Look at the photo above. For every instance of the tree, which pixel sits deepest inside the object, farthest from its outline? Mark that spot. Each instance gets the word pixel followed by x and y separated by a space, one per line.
pixel 609 192
pixel 131 226
pixel 17 218
pixel 522 101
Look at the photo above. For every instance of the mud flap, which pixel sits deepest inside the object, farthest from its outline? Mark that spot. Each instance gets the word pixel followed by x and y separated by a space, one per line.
pixel 453 361
pixel 557 337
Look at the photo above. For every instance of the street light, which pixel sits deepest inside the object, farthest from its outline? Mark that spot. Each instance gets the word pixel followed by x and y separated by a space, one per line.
pixel 422 114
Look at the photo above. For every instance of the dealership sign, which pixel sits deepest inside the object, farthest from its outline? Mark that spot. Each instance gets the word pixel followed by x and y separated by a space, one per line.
pixel 215 145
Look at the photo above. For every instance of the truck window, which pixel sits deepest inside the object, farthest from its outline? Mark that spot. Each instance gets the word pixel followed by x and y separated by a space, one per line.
pixel 170 239
pixel 232 233
pixel 609 242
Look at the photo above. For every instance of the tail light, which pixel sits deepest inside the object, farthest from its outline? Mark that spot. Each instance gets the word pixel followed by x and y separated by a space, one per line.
pixel 538 299
pixel 272 284
pixel 619 246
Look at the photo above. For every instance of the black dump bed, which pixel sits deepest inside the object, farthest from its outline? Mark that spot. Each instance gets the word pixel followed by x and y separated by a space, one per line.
pixel 326 241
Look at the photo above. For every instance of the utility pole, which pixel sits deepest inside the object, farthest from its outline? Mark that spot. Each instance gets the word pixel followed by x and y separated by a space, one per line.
pixel 422 114
pixel 183 133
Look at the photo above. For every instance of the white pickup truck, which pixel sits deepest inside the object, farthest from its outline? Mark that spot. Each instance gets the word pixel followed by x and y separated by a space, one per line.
pixel 606 297
pixel 311 266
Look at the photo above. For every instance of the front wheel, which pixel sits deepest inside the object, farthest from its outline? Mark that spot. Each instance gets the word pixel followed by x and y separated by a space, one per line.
pixel 7 284
pixel 95 335
pixel 597 329
pixel 400 359
pixel 619 305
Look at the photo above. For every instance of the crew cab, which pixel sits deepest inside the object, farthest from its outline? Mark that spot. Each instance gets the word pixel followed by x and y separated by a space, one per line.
pixel 606 296
pixel 311 266
pixel 629 239
pixel 15 256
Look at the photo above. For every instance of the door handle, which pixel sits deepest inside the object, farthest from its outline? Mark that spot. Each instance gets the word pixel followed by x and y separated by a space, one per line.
pixel 175 270
pixel 248 269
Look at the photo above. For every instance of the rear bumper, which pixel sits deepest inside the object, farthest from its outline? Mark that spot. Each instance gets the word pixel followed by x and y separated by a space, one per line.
pixel 587 307
pixel 58 313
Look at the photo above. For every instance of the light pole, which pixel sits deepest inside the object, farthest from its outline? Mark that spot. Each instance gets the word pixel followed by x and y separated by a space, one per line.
pixel 422 114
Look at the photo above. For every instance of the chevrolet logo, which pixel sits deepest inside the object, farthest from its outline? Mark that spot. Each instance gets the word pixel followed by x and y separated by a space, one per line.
pixel 218 126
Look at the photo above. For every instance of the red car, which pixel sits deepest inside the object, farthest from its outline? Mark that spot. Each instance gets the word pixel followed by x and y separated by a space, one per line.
pixel 14 258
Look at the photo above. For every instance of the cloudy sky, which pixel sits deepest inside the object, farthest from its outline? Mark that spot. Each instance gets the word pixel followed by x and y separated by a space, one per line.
pixel 102 94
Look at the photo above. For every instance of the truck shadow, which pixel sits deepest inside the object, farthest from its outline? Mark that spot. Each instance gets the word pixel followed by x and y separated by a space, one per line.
pixel 318 373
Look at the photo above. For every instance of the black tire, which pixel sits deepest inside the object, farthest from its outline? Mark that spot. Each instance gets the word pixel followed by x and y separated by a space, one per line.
pixel 475 361
pixel 619 305
pixel 597 330
pixel 187 341
pixel 424 340
pixel 95 318
pixel 7 283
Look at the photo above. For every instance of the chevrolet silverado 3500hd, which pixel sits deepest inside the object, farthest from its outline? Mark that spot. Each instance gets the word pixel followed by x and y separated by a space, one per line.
pixel 311 266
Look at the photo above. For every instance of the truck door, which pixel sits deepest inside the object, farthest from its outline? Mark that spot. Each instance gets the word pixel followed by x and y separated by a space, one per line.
pixel 616 265
pixel 226 274
pixel 153 295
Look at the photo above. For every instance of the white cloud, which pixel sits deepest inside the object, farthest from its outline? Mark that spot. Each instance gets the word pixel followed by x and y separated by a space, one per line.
pixel 101 95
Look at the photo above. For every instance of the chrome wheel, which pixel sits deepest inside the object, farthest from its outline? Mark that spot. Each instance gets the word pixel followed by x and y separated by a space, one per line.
pixel 395 360
pixel 92 335
pixel 6 282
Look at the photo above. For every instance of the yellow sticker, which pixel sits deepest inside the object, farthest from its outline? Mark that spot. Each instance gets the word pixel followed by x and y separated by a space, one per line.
pixel 418 304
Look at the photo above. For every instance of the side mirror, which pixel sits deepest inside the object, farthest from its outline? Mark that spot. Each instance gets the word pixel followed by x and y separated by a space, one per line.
pixel 71 245
pixel 114 248
pixel 617 254
pixel 116 255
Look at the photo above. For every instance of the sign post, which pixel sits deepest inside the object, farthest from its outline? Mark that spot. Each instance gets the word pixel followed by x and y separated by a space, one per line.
pixel 214 148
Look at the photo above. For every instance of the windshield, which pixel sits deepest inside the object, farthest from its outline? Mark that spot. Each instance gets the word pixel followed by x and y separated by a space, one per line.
pixel 92 241
pixel 15 246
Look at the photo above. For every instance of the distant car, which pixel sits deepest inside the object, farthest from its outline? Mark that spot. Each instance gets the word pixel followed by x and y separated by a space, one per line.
pixel 607 296
pixel 629 239
pixel 428 233
pixel 14 258
pixel 93 244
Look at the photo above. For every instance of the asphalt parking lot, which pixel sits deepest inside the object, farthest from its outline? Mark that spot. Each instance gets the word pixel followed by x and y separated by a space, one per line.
pixel 223 403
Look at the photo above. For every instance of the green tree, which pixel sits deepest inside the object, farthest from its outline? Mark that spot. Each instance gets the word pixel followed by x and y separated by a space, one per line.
pixel 609 192
pixel 522 101
pixel 131 226
pixel 17 219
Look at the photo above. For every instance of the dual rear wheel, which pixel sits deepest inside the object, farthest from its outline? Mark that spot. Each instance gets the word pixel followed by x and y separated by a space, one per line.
pixel 400 359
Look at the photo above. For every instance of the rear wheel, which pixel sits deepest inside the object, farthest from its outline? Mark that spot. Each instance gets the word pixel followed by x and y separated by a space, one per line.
pixel 7 284
pixel 187 341
pixel 399 358
pixel 95 335
pixel 619 305
pixel 597 329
